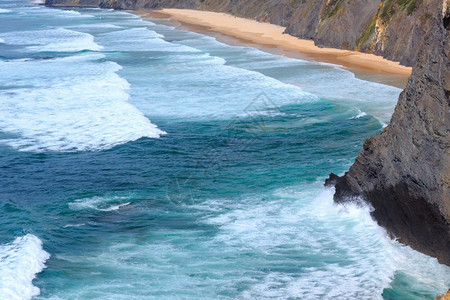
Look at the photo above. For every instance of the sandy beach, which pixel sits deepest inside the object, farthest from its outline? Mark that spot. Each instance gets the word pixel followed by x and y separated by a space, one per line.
pixel 269 35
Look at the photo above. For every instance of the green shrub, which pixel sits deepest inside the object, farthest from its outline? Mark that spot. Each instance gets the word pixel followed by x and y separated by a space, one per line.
pixel 367 33
pixel 333 8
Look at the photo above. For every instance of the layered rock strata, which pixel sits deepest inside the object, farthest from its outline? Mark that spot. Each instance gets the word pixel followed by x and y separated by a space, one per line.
pixel 404 172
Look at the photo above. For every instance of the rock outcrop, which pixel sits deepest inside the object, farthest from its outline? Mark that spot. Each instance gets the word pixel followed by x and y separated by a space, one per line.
pixel 404 172
pixel 394 29
pixel 445 296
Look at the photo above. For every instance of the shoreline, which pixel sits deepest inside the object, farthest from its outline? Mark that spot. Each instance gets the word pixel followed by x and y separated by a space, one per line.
pixel 270 38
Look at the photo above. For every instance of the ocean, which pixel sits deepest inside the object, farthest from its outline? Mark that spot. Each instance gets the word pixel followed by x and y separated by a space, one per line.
pixel 140 160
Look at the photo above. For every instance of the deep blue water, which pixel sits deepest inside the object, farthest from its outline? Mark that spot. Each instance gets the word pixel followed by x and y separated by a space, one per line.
pixel 141 161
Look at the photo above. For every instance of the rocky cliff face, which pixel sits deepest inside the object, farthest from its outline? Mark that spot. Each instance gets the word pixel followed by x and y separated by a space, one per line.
pixel 393 29
pixel 399 27
pixel 405 171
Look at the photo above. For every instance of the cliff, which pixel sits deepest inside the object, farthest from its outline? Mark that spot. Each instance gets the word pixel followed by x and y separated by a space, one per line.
pixel 394 29
pixel 405 171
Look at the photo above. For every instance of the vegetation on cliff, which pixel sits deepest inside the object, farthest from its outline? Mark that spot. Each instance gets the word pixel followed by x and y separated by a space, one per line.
pixel 390 28
pixel 404 172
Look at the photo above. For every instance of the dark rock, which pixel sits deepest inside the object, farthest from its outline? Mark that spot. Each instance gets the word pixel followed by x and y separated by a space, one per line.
pixel 331 180
pixel 404 172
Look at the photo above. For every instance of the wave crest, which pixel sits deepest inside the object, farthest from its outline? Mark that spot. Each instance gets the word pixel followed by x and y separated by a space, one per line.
pixel 20 261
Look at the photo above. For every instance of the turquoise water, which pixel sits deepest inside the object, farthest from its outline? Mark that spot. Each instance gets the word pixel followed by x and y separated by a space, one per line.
pixel 141 161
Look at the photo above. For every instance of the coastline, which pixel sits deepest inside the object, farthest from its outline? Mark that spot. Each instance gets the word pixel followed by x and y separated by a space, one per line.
pixel 271 38
pixel 230 203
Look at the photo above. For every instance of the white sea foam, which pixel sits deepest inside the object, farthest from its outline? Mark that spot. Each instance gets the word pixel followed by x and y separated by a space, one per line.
pixel 359 115
pixel 258 60
pixel 3 10
pixel 51 13
pixel 76 104
pixel 71 12
pixel 100 203
pixel 211 89
pixel 133 34
pixel 342 252
pixel 20 261
pixel 66 13
pixel 130 22
pixel 139 39
pixel 117 13
pixel 2 41
pixel 203 59
pixel 56 40
pixel 73 225
pixel 341 86
pixel 327 81
pixel 292 244
pixel 95 26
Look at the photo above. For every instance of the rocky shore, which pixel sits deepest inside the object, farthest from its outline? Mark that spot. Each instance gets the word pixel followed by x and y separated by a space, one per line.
pixel 404 172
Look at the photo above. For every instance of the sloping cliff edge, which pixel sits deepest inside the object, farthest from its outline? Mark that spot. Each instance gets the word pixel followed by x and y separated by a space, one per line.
pixel 394 29
pixel 404 172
